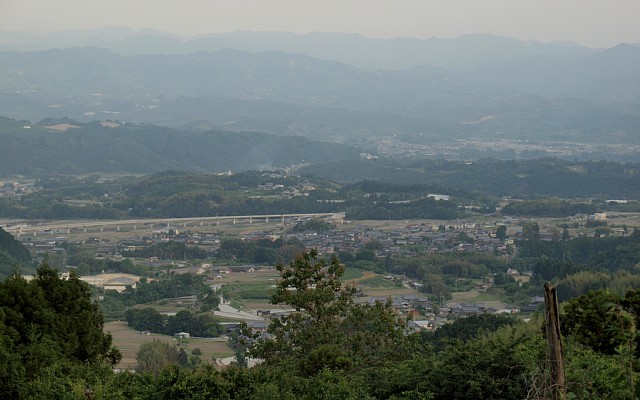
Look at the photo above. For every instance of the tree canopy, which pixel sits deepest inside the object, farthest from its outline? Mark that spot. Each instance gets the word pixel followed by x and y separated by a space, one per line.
pixel 328 329
pixel 49 320
pixel 12 254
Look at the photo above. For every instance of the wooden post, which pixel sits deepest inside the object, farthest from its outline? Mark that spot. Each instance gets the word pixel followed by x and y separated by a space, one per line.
pixel 552 324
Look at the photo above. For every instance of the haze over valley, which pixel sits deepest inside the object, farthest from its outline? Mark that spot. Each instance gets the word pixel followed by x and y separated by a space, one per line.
pixel 532 99
pixel 344 200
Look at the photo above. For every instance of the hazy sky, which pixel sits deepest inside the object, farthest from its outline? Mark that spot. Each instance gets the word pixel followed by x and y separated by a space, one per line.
pixel 596 23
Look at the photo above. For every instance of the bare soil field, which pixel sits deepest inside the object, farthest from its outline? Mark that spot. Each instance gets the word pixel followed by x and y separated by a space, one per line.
pixel 112 279
pixel 474 296
pixel 463 297
pixel 129 341
pixel 116 281
pixel 62 127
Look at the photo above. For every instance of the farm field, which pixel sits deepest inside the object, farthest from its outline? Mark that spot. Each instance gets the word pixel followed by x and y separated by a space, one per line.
pixel 260 275
pixel 352 275
pixel 170 306
pixel 256 304
pixel 128 341
pixel 474 296
pixel 251 290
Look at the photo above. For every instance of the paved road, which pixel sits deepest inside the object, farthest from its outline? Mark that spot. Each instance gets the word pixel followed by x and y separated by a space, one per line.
pixel 227 311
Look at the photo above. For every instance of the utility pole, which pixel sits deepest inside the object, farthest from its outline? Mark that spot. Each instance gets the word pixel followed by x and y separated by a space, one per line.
pixel 552 325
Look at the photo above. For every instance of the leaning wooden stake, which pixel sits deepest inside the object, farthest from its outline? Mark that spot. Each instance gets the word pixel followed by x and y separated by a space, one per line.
pixel 552 319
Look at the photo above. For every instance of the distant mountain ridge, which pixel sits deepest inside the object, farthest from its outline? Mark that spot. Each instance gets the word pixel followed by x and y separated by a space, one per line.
pixel 547 76
pixel 474 86
pixel 462 52
pixel 570 100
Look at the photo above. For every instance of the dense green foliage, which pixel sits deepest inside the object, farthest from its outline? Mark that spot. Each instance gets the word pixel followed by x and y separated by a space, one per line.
pixel 148 319
pixel 155 355
pixel 13 255
pixel 331 347
pixel 260 251
pixel 476 187
pixel 328 330
pixel 517 178
pixel 419 209
pixel 170 250
pixel 48 321
pixel 548 208
pixel 92 147
pixel 314 225
pixel 466 329
pixel 13 248
pixel 584 263
pixel 608 253
pixel 165 194
pixel 86 263
pixel 598 321
pixel 147 291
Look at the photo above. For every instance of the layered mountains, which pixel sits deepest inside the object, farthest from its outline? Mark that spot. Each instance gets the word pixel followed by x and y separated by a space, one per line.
pixel 536 92
pixel 325 87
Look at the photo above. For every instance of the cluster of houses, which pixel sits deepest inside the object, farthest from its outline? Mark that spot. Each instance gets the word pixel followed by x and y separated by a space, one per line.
pixel 15 189
pixel 433 238
pixel 424 315
pixel 420 312
pixel 400 241
pixel 41 247
pixel 302 189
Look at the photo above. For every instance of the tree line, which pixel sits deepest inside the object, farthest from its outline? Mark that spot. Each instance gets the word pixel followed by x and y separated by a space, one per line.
pixel 334 347
pixel 45 322
pixel 149 319
pixel 146 291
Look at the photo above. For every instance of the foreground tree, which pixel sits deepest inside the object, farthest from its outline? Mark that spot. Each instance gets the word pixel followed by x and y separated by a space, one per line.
pixel 47 321
pixel 328 330
pixel 597 320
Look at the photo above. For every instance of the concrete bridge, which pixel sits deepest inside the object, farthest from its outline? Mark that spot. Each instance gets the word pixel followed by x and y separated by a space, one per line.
pixel 36 228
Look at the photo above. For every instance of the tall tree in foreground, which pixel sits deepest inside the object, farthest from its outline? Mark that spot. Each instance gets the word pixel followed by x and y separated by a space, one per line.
pixel 328 330
pixel 47 321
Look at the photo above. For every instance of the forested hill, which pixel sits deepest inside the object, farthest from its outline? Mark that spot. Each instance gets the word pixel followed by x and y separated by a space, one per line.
pixel 539 177
pixel 69 147
pixel 392 190
pixel 12 247
pixel 12 254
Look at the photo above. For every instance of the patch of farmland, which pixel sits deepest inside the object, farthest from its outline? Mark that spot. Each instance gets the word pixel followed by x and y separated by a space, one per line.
pixel 128 341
